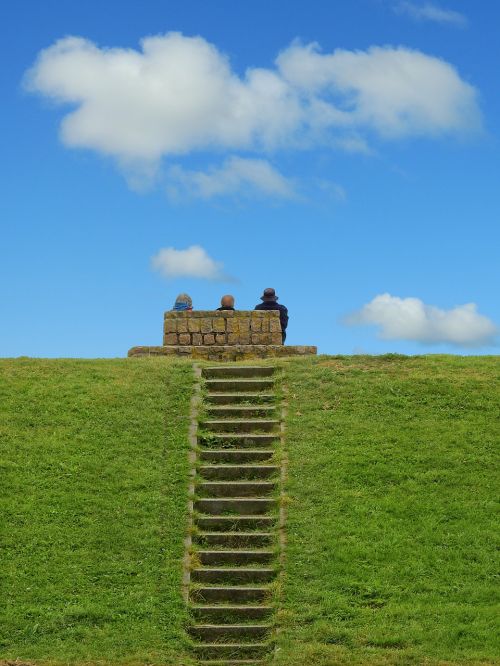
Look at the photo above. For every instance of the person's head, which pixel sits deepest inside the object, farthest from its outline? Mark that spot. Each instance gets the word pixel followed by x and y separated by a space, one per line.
pixel 227 301
pixel 269 295
pixel 183 302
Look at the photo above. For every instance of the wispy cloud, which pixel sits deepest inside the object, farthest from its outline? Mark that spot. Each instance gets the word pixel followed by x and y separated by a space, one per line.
pixel 193 262
pixel 411 319
pixel 178 95
pixel 430 12
pixel 237 176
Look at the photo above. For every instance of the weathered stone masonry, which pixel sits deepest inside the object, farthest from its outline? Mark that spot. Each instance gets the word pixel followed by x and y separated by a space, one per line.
pixel 205 327
pixel 224 335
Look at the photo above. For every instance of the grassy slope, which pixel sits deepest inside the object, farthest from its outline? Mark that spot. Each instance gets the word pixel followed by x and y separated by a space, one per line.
pixel 391 553
pixel 94 483
pixel 390 531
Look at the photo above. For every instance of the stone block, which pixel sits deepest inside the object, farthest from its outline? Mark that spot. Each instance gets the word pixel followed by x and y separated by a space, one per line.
pixel 206 325
pixel 170 326
pixel 219 325
pixel 182 326
pixel 170 339
pixel 256 324
pixel 233 325
pixel 193 325
pixel 220 339
pixel 209 339
pixel 197 339
pixel 265 324
pixel 184 339
pixel 244 338
pixel 276 339
pixel 275 325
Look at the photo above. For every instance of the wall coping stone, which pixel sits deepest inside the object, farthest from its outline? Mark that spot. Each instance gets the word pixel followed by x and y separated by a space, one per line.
pixel 224 352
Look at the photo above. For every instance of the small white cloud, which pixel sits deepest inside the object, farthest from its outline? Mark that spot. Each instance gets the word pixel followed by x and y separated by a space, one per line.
pixel 236 176
pixel 430 12
pixel 411 319
pixel 178 95
pixel 194 262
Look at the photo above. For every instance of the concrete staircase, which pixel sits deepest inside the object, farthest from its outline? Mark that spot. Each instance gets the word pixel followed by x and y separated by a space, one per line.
pixel 235 516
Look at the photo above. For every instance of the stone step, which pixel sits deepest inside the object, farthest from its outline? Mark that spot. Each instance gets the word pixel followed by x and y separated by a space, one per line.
pixel 226 632
pixel 227 558
pixel 235 488
pixel 235 539
pixel 235 456
pixel 242 652
pixel 236 594
pixel 230 613
pixel 239 398
pixel 245 385
pixel 241 411
pixel 241 523
pixel 231 662
pixel 241 472
pixel 240 425
pixel 233 575
pixel 237 440
pixel 219 371
pixel 242 506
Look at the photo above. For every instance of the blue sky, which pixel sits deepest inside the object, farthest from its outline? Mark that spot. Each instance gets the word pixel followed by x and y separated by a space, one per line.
pixel 359 177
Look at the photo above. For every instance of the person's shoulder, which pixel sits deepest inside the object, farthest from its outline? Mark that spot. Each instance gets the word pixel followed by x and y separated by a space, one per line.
pixel 282 307
pixel 260 306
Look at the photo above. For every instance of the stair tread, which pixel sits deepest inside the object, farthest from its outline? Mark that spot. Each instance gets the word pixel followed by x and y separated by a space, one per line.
pixel 236 482
pixel 230 662
pixel 247 420
pixel 231 606
pixel 244 394
pixel 239 534
pixel 239 434
pixel 260 568
pixel 240 408
pixel 248 466
pixel 238 625
pixel 236 550
pixel 260 588
pixel 239 516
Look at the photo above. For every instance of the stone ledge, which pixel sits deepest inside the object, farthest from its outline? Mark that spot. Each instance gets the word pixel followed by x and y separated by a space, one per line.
pixel 225 352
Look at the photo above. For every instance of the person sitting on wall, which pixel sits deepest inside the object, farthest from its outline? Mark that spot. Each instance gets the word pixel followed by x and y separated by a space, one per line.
pixel 183 302
pixel 226 302
pixel 269 302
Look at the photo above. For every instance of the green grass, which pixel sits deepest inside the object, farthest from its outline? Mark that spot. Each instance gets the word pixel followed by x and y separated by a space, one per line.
pixel 391 522
pixel 93 504
pixel 391 534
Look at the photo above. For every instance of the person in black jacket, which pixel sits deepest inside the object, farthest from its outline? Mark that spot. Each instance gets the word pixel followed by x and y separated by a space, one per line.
pixel 269 302
pixel 227 302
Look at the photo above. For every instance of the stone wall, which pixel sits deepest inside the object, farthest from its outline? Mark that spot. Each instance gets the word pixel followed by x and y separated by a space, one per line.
pixel 207 327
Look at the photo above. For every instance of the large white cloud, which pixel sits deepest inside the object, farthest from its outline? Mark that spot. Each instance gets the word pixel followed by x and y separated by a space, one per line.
pixel 411 319
pixel 193 262
pixel 179 94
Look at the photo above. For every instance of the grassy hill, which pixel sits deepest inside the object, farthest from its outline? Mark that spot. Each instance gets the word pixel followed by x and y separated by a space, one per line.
pixel 391 526
pixel 94 479
pixel 391 485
